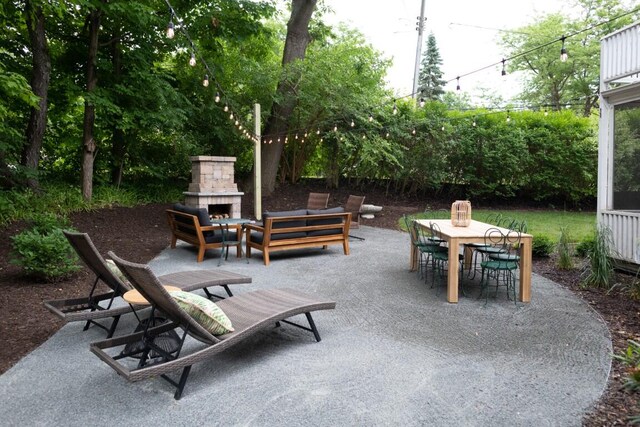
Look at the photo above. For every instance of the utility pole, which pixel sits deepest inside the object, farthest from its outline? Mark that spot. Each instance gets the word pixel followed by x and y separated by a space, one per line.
pixel 420 28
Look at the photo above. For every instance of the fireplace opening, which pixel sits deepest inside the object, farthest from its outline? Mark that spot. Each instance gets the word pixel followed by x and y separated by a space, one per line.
pixel 220 211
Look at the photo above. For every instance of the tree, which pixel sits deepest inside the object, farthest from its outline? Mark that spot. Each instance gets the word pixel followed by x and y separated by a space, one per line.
pixel 277 123
pixel 39 85
pixel 550 80
pixel 430 82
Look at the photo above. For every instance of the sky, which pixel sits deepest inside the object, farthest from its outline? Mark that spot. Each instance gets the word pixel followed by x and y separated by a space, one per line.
pixel 390 27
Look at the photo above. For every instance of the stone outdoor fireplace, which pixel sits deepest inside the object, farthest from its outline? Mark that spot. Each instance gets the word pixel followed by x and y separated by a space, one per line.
pixel 212 186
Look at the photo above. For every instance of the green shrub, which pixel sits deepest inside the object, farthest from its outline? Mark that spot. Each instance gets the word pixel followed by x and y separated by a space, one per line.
pixel 565 260
pixel 542 246
pixel 599 271
pixel 584 247
pixel 43 251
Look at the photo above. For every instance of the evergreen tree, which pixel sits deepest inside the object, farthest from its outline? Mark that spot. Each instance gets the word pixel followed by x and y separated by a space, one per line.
pixel 430 82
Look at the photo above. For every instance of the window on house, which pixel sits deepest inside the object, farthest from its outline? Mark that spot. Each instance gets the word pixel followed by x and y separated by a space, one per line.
pixel 626 164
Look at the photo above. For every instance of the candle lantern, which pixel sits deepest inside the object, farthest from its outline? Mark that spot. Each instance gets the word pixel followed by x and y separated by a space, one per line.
pixel 461 213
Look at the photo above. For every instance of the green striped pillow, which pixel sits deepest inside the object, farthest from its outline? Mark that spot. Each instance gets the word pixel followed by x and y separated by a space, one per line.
pixel 204 311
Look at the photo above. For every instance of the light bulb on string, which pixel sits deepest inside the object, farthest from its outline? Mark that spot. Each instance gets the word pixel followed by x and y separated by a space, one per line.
pixel 458 83
pixel 278 140
pixel 474 123
pixel 231 116
pixel 370 117
pixel 563 51
pixel 364 136
pixel 296 137
pixel 226 108
pixel 335 128
pixel 192 60
pixel 318 132
pixel 170 29
pixel 387 135
pixel 217 98
pixel 508 117
pixel 305 134
pixel 413 132
pixel 240 127
pixel 504 70
pixel 236 123
pixel 353 123
pixel 395 108
pixel 442 128
pixel 205 82
pixel 421 102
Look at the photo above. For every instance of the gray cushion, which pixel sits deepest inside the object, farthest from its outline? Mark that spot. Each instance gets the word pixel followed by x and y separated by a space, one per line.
pixel 201 213
pixel 258 237
pixel 287 224
pixel 325 221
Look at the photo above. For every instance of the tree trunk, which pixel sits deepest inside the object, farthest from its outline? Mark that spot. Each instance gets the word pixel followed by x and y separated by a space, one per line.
pixel 41 72
pixel 277 124
pixel 88 141
pixel 118 146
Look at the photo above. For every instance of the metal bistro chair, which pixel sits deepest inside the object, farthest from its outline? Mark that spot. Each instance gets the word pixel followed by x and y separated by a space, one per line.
pixel 423 244
pixel 441 257
pixel 503 263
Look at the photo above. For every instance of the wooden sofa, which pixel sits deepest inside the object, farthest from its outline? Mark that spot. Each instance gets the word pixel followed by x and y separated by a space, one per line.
pixel 192 225
pixel 299 229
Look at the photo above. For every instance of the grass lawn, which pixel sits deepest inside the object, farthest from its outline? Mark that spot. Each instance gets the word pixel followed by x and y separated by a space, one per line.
pixel 580 225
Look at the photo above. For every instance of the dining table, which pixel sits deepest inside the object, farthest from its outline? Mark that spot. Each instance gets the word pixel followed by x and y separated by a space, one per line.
pixel 475 232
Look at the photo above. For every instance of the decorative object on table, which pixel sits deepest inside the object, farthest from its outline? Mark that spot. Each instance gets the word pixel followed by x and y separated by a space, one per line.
pixel 461 213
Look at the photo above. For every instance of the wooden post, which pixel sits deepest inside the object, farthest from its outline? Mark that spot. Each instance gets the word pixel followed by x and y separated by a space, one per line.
pixel 257 159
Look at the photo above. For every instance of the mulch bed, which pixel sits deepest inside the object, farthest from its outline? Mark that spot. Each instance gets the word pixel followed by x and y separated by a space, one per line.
pixel 139 233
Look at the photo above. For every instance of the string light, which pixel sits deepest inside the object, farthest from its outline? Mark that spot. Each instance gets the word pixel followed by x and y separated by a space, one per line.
pixel 217 98
pixel 370 117
pixel 170 29
pixel 458 83
pixel 504 70
pixel 353 123
pixel 226 108
pixel 387 135
pixel 205 82
pixel 318 132
pixel 192 61
pixel 335 128
pixel 474 123
pixel 413 132
pixel 563 50
pixel 508 116
pixel 421 102
pixel 395 108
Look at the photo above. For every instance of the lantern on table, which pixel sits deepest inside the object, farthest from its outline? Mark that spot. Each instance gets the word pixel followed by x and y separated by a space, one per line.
pixel 461 213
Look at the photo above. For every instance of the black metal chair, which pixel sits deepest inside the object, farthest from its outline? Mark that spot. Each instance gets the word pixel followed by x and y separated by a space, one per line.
pixel 503 263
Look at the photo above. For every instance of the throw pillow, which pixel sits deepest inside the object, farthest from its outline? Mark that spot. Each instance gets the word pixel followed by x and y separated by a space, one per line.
pixel 204 311
pixel 118 273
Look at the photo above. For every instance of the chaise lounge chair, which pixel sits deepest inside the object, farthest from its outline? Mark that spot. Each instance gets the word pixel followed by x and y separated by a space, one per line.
pixel 101 305
pixel 248 313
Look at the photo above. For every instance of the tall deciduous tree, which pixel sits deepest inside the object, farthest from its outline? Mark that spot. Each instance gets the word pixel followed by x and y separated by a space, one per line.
pixel 552 81
pixel 88 139
pixel 41 71
pixel 430 81
pixel 278 122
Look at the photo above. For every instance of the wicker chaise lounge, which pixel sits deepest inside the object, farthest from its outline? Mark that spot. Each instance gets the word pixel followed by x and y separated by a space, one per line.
pixel 101 305
pixel 248 313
